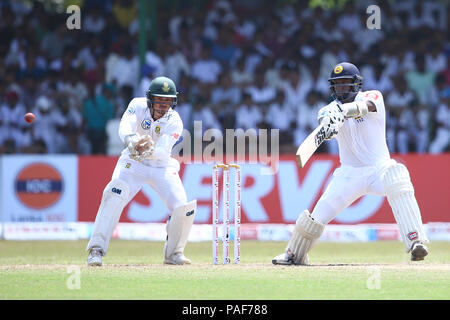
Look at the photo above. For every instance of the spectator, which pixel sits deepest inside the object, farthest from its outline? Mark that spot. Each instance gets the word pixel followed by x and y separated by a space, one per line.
pixel 349 21
pixel 441 141
pixel 11 119
pixel 126 70
pixel 435 59
pixel 244 28
pixel 296 89
pixel 71 136
pixel 421 81
pixel 328 31
pixel 94 22
pixel 226 91
pixel 125 11
pixel 175 63
pixel 280 115
pixel 248 114
pixel 97 110
pixel 46 123
pixel 260 92
pixel 421 16
pixel 55 41
pixel 305 116
pixel 154 60
pixel 240 75
pixel 446 72
pixel 376 78
pixel 311 76
pixel 413 129
pixel 398 100
pixel 223 49
pixel 204 113
pixel 206 69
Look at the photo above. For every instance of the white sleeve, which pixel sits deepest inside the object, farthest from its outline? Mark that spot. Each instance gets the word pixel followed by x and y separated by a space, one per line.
pixel 169 137
pixel 128 123
pixel 376 98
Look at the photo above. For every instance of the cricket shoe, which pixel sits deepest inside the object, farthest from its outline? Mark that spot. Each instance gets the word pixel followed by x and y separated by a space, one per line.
pixel 287 259
pixel 95 257
pixel 177 258
pixel 418 251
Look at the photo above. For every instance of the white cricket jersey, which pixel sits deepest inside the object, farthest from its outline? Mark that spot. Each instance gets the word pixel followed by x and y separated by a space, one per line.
pixel 362 140
pixel 165 131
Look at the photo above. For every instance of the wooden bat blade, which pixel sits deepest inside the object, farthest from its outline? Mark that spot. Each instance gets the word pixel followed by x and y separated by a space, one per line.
pixel 310 145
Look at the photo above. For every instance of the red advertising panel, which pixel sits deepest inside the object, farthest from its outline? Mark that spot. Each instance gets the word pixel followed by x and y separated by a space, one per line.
pixel 277 198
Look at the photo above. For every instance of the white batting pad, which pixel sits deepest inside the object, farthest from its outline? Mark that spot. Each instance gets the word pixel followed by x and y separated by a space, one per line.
pixel 306 232
pixel 114 199
pixel 178 228
pixel 400 194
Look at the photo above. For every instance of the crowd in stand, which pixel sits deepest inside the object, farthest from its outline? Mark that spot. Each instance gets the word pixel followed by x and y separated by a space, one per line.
pixel 237 64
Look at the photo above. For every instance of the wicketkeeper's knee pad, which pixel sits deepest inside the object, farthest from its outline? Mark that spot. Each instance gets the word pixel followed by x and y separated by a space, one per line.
pixel 306 232
pixel 178 228
pixel 400 194
pixel 115 198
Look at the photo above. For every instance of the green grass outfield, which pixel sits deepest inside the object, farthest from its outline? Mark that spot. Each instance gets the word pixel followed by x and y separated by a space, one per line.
pixel 134 270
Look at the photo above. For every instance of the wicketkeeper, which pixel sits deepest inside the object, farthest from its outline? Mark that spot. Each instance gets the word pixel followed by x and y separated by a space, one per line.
pixel 357 119
pixel 149 128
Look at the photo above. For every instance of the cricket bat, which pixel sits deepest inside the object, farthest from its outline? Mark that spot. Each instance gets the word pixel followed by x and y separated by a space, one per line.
pixel 310 145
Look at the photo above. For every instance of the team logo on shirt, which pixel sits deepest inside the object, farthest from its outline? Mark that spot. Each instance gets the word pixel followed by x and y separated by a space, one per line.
pixel 146 123
pixel 158 129
pixel 338 69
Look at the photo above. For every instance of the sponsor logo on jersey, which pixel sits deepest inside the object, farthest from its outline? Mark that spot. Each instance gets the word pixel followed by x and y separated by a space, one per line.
pixel 128 165
pixel 131 110
pixel 338 69
pixel 115 190
pixel 158 129
pixel 146 123
pixel 39 185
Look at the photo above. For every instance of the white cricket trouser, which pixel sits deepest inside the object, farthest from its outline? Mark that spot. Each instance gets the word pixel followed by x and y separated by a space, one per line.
pixel 346 186
pixel 164 180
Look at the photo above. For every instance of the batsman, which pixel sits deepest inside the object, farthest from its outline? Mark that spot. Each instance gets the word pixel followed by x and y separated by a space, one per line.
pixel 357 119
pixel 149 127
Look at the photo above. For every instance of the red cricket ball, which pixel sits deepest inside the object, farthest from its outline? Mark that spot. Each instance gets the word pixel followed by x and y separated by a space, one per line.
pixel 29 117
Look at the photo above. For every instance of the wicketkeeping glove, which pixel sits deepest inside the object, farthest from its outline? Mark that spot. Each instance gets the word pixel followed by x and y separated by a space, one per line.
pixel 140 147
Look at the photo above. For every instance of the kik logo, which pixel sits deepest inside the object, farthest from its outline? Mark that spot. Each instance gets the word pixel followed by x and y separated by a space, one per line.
pixel 115 190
